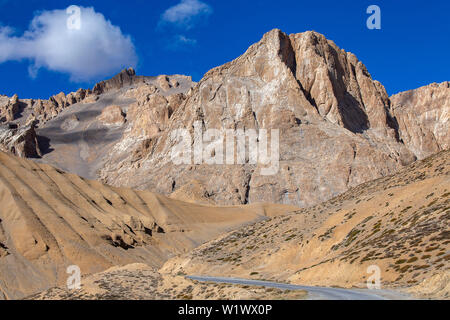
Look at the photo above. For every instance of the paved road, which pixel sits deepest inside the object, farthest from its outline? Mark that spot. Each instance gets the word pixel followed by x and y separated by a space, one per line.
pixel 314 293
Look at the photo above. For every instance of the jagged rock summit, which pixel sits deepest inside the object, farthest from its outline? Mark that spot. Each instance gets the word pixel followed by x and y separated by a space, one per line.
pixel 336 128
pixel 76 131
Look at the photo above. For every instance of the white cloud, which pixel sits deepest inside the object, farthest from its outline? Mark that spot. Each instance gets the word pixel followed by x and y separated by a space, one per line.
pixel 184 12
pixel 180 42
pixel 184 40
pixel 96 50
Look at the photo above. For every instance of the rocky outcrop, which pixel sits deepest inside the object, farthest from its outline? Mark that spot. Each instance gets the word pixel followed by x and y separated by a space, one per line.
pixel 112 115
pixel 337 84
pixel 40 111
pixel 126 77
pixel 44 110
pixel 21 141
pixel 163 82
pixel 423 118
pixel 10 108
pixel 336 130
pixel 26 111
pixel 147 119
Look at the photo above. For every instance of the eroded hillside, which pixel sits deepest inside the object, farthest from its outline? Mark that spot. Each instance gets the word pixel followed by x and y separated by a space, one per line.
pixel 50 220
pixel 399 223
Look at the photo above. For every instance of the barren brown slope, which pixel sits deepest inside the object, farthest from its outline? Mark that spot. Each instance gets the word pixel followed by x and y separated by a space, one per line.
pixel 50 220
pixel 399 223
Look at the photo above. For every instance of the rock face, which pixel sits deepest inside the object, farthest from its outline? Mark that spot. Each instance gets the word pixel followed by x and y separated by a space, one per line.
pixel 423 118
pixel 337 84
pixel 27 113
pixel 128 78
pixel 21 141
pixel 125 78
pixel 40 111
pixel 147 119
pixel 112 115
pixel 336 130
pixel 9 108
pixel 120 124
pixel 44 110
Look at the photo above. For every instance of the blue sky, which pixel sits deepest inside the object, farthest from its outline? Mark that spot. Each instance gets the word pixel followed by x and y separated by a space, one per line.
pixel 167 37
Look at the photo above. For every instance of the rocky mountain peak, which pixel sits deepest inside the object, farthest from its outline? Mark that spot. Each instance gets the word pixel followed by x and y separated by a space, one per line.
pixel 338 85
pixel 126 77
pixel 324 77
pixel 334 123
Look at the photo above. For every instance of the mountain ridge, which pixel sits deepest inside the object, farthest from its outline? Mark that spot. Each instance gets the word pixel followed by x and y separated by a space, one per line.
pixel 303 84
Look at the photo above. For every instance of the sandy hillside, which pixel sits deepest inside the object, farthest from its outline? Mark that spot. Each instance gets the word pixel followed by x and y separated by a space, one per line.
pixel 50 220
pixel 399 223
pixel 141 282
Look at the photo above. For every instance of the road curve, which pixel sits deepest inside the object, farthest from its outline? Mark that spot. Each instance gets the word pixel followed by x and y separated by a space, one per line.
pixel 314 293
